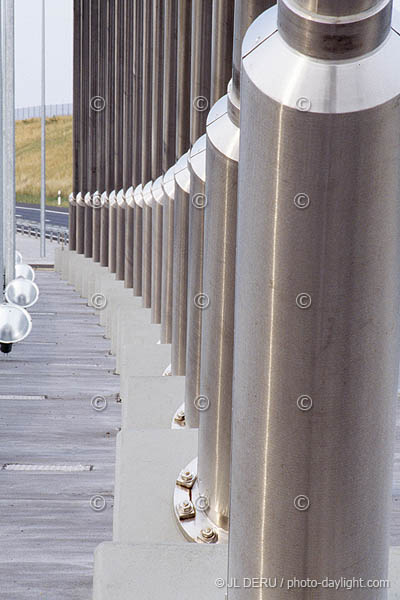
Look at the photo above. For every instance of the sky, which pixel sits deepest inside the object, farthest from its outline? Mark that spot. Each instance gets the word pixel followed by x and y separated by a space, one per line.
pixel 59 39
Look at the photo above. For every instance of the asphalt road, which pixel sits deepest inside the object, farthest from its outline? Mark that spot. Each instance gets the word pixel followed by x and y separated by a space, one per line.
pixel 54 215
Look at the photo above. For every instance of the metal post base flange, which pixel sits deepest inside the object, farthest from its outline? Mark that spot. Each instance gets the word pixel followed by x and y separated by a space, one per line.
pixel 191 508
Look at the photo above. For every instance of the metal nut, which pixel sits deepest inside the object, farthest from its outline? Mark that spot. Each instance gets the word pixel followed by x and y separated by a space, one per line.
pixel 186 510
pixel 186 479
pixel 208 536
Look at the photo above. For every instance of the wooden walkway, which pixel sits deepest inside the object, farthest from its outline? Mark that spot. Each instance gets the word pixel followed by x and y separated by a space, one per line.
pixel 48 530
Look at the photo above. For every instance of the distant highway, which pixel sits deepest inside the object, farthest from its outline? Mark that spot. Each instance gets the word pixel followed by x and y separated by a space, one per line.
pixel 54 215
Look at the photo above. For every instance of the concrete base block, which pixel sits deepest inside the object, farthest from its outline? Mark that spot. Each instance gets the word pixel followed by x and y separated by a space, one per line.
pixel 142 360
pixel 58 258
pixel 101 272
pixel 147 465
pixel 89 273
pixel 136 333
pixel 167 572
pixel 121 315
pixel 152 402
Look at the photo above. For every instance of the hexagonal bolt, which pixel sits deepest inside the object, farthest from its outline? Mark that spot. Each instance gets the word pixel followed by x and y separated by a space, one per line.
pixel 208 536
pixel 186 510
pixel 186 479
pixel 180 417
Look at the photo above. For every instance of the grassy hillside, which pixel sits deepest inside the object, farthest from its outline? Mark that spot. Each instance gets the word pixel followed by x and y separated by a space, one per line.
pixel 58 159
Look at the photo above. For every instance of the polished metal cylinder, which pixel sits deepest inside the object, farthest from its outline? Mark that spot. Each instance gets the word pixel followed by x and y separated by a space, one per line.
pixel 73 209
pixel 80 223
pixel 156 258
pixel 104 230
pixel 129 228
pixel 88 225
pixel 112 232
pixel 120 241
pixel 147 220
pixel 157 88
pixel 195 299
pixel 246 11
pixel 93 141
pixel 317 318
pixel 180 266
pixel 200 89
pixel 119 83
pixel 107 217
pixel 128 96
pixel 222 152
pixel 137 92
pixel 183 104
pixel 147 90
pixel 137 240
pixel 221 48
pixel 84 216
pixel 170 83
pixel 167 255
pixel 128 143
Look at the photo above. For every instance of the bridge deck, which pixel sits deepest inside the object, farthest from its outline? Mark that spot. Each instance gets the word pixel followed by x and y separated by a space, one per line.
pixel 47 527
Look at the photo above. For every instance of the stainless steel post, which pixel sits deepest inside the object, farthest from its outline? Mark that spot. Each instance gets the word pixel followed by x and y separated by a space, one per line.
pixel 159 198
pixel 102 114
pixel 215 398
pixel 75 127
pixel 147 90
pixel 183 108
pixel 200 87
pixel 43 138
pixel 137 240
pixel 9 142
pixel 128 141
pixel 119 136
pixel 180 266
pixel 222 37
pixel 95 106
pixel 222 46
pixel 107 249
pixel 170 83
pixel 2 220
pixel 167 255
pixel 112 231
pixel 84 134
pixel 137 92
pixel 195 297
pixel 147 244
pixel 157 88
pixel 317 300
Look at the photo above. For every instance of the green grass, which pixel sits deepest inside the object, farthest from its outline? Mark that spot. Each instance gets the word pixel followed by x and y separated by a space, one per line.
pixel 58 159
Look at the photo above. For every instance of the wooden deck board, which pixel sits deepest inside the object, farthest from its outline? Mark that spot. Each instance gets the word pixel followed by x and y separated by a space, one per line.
pixel 48 530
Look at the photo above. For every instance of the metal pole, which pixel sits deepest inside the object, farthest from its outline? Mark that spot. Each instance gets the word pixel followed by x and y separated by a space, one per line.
pixel 85 112
pixel 167 256
pixel 2 204
pixel 120 207
pixel 183 107
pixel 222 47
pixel 222 36
pixel 157 245
pixel 169 85
pixel 138 91
pixel 43 140
pixel 76 130
pixel 200 67
pixel 96 106
pixel 157 87
pixel 128 142
pixel 219 288
pixel 137 240
pixel 197 167
pixel 180 266
pixel 109 241
pixel 315 344
pixel 147 219
pixel 147 95
pixel 102 114
pixel 9 142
